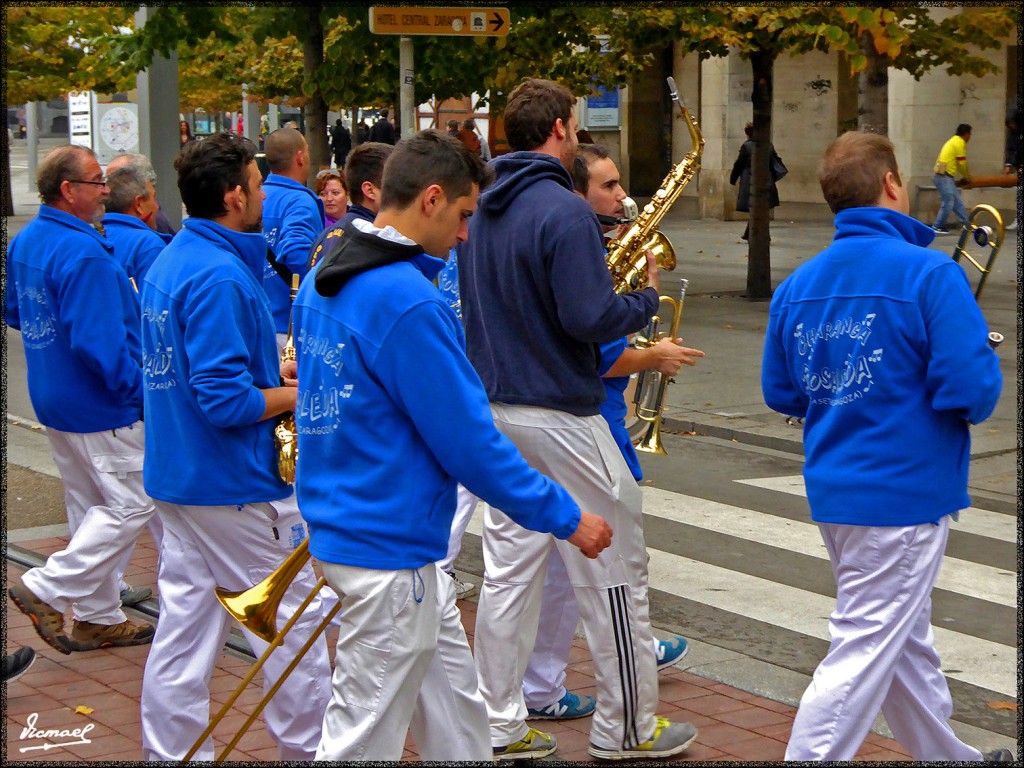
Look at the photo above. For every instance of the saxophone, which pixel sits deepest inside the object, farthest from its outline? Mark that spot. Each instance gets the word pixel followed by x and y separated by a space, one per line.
pixel 285 432
pixel 627 259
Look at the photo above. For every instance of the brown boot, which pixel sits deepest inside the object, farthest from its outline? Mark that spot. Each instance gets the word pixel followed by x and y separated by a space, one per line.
pixel 86 636
pixel 49 622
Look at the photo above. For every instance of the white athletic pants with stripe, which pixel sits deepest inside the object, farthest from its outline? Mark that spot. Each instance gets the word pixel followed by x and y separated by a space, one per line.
pixel 882 655
pixel 402 661
pixel 107 509
pixel 611 591
pixel 234 548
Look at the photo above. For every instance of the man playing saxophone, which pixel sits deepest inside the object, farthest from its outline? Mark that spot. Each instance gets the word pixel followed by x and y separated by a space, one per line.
pixel 211 388
pixel 537 299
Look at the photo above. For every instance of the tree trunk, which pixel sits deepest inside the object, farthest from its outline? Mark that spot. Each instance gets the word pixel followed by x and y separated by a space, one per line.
pixel 316 108
pixel 759 267
pixel 873 90
pixel 5 169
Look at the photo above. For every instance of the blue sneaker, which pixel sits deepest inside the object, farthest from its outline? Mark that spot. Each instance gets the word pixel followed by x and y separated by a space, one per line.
pixel 569 707
pixel 671 652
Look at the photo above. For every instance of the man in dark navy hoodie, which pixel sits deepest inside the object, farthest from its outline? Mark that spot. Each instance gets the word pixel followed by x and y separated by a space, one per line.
pixel 537 302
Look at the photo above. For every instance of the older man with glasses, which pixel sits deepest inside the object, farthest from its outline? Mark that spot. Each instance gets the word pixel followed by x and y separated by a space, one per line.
pixel 78 317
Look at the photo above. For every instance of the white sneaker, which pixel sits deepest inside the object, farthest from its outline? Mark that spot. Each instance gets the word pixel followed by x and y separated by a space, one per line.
pixel 1011 227
pixel 463 589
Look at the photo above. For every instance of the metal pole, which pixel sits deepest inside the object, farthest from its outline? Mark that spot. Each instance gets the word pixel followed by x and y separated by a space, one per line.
pixel 32 140
pixel 406 90
pixel 159 119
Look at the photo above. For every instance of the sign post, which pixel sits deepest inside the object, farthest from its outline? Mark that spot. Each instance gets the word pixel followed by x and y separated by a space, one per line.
pixel 405 21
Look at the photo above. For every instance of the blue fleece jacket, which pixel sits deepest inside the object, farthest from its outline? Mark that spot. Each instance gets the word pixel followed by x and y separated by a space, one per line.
pixel 136 246
pixel 878 343
pixel 614 407
pixel 209 348
pixel 293 217
pixel 536 294
pixel 78 316
pixel 392 416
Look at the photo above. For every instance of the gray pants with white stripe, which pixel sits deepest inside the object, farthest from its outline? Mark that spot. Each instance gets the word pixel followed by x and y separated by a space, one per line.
pixel 579 454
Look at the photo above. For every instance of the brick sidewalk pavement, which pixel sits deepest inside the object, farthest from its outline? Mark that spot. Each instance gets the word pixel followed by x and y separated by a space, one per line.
pixel 102 688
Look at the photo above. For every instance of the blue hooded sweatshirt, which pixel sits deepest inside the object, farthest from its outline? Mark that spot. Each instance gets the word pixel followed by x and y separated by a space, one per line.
pixel 78 316
pixel 391 415
pixel 293 216
pixel 136 246
pixel 537 296
pixel 209 348
pixel 878 343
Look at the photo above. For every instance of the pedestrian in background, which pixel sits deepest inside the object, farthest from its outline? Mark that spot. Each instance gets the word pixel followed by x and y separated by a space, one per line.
pixel 469 137
pixel 341 143
pixel 1012 160
pixel 742 172
pixel 878 344
pixel 186 133
pixel 382 130
pixel 952 160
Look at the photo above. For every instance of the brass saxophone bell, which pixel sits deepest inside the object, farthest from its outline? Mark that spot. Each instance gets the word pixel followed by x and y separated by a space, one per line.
pixel 661 247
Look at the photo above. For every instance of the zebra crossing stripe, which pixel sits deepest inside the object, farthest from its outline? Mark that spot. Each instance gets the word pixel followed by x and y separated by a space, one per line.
pixel 976 580
pixel 980 522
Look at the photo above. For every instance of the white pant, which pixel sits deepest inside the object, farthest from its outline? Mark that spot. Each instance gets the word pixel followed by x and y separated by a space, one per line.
pixel 580 454
pixel 544 679
pixel 402 661
pixel 465 504
pixel 234 548
pixel 882 654
pixel 107 509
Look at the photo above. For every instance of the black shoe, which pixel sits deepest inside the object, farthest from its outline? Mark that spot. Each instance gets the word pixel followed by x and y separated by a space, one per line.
pixel 132 596
pixel 16 664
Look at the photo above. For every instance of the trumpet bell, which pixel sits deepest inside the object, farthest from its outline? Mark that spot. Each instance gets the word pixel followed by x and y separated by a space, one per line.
pixel 650 442
pixel 256 608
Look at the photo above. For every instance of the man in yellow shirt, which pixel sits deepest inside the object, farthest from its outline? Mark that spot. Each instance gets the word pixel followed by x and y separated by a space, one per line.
pixel 951 161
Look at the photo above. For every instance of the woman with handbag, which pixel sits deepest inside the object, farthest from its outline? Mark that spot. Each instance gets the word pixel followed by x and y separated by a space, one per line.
pixel 741 172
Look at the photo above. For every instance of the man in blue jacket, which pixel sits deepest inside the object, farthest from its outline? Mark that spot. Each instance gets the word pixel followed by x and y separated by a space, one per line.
pixel 78 318
pixel 879 346
pixel 382 379
pixel 537 300
pixel 130 219
pixel 212 392
pixel 293 217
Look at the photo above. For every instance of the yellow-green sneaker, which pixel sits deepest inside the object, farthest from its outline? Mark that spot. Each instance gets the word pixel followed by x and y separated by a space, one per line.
pixel 534 745
pixel 668 739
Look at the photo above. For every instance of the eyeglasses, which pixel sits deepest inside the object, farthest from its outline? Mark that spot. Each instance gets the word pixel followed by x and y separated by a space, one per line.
pixel 329 172
pixel 100 183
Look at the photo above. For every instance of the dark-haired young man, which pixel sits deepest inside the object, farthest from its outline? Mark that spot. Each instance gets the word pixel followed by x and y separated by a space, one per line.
pixel 78 317
pixel 537 299
pixel 363 173
pixel 382 377
pixel 878 344
pixel 211 394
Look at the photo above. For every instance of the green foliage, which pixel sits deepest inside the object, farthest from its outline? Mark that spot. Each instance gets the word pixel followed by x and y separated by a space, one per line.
pixel 55 49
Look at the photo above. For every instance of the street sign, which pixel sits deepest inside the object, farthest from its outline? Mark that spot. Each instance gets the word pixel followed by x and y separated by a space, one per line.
pixel 400 20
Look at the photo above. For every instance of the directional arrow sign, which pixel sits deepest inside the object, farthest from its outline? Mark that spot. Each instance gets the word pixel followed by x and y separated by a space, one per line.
pixel 402 20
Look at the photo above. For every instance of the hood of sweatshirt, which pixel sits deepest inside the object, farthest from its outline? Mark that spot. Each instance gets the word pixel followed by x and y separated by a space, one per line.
pixel 356 252
pixel 518 171
pixel 250 246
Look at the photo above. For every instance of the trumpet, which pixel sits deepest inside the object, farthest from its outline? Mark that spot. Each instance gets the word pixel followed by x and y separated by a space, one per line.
pixel 984 237
pixel 649 398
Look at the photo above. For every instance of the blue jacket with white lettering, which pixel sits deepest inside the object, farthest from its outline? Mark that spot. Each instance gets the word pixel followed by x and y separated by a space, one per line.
pixel 391 415
pixel 78 316
pixel 878 343
pixel 293 216
pixel 209 348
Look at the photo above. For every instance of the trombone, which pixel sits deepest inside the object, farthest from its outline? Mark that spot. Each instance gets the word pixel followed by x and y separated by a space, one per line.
pixel 984 237
pixel 255 609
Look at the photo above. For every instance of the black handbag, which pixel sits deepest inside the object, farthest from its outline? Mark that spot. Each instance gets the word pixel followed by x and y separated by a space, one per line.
pixel 779 169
